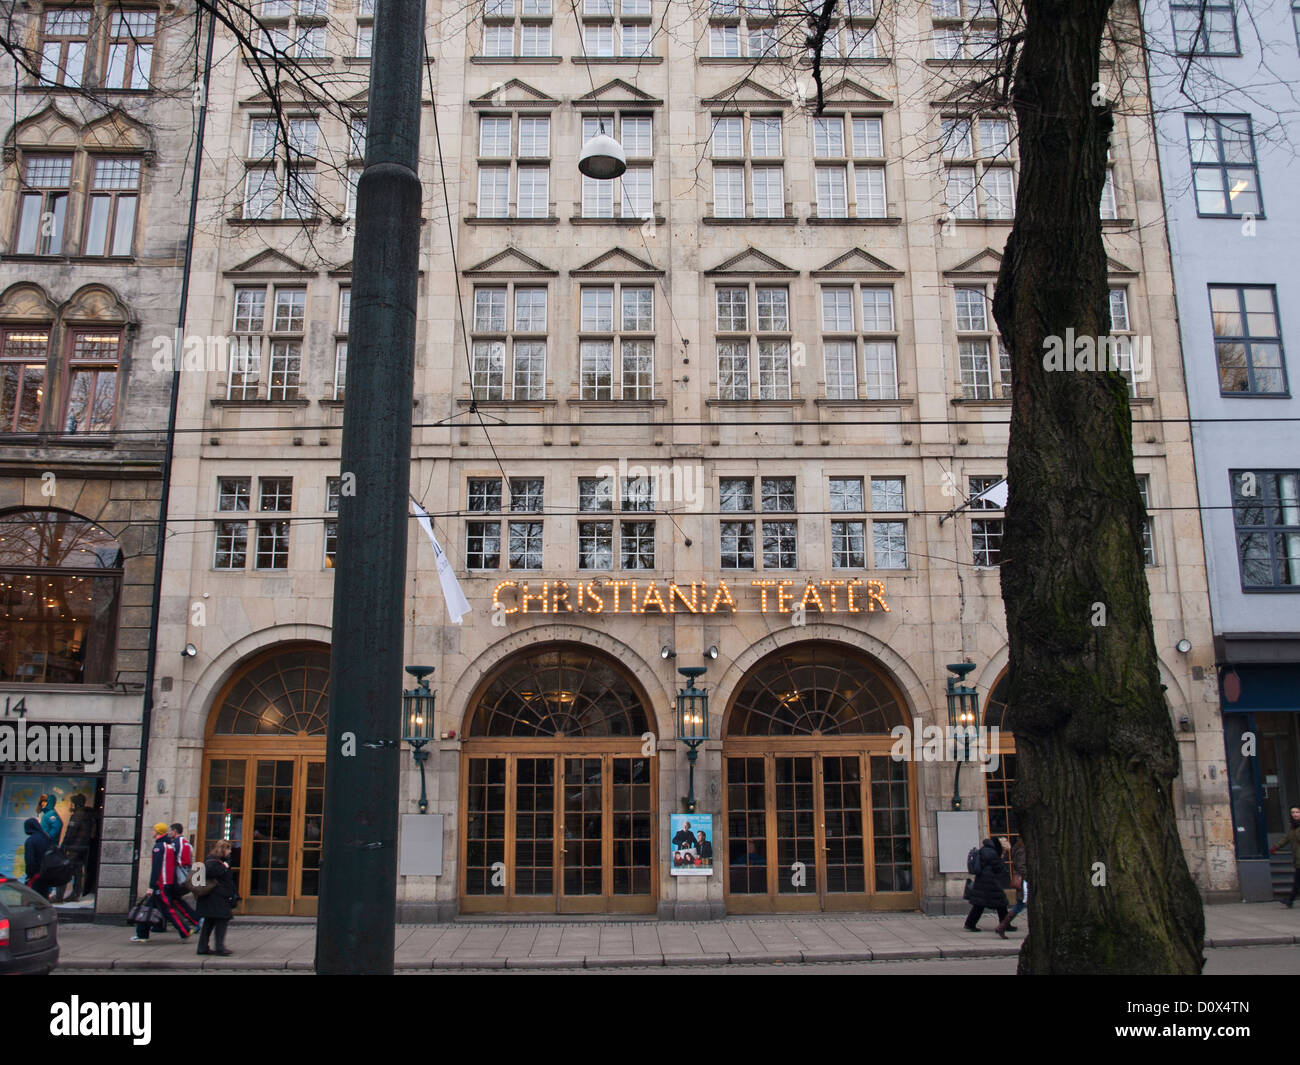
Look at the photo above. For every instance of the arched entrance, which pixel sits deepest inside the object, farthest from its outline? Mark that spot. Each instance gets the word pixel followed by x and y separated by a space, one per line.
pixel 998 784
pixel 558 796
pixel 819 817
pixel 264 776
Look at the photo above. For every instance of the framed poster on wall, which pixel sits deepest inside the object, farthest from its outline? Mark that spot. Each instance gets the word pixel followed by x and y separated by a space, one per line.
pixel 691 844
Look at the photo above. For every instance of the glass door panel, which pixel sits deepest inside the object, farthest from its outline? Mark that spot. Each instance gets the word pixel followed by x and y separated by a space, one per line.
pixel 313 822
pixel 632 826
pixel 485 827
pixel 534 869
pixel 583 826
pixel 891 824
pixel 796 826
pixel 846 870
pixel 223 815
pixel 746 826
pixel 272 836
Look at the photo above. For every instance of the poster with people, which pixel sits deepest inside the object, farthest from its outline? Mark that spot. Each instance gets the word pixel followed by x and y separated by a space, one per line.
pixel 691 838
pixel 48 799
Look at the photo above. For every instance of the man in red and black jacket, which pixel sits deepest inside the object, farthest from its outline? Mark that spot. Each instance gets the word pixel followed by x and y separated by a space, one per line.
pixel 177 869
pixel 158 880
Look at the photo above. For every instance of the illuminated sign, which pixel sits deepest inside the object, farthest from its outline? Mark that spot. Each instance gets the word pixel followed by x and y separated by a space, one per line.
pixel 604 595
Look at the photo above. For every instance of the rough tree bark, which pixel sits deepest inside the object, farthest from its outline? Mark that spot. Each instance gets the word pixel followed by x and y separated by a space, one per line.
pixel 1096 748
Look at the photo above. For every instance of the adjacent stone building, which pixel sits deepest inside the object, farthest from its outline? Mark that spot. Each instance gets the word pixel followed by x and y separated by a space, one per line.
pixel 719 412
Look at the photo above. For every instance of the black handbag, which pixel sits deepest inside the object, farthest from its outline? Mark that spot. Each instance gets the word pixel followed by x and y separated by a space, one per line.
pixel 145 911
pixel 970 884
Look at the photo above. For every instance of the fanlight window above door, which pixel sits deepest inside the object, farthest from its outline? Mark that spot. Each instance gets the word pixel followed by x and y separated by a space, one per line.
pixel 283 693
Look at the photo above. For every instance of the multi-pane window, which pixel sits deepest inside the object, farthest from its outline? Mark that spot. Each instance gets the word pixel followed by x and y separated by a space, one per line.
pixel 632 195
pixel 856 316
pixel 231 550
pixel 341 341
pixel 92 382
pixel 523 536
pixel 780 536
pixel 508 351
pixel 850 166
pixel 523 145
pixel 1148 531
pixel 964 29
pixel 985 532
pixel 130 49
pixel 1224 169
pixel 295 29
pixel 525 23
pixel 848 533
pixel 65 40
pixel 110 217
pixel 286 179
pixel 1248 339
pixel 849 38
pixel 483 539
pixel 635 548
pixel 764 164
pixel 23 355
pixel 1205 28
pixel 271 335
pixel 595 538
pixel 1266 513
pixel 275 496
pixel 888 535
pixel 980 377
pixel 43 204
pixel 753 348
pixel 365 28
pixel 979 170
pixel 616 342
pixel 332 490
pixel 1109 205
pixel 607 32
pixel 1119 352
pixel 848 541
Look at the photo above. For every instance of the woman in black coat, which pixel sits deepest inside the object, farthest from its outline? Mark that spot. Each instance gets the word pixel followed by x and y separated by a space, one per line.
pixel 989 889
pixel 218 905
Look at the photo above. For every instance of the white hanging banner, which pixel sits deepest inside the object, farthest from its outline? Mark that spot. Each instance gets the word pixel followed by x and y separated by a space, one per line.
pixel 457 604
pixel 995 494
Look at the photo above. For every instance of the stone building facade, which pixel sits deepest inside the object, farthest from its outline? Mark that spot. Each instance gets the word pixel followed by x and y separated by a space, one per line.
pixel 93 197
pixel 717 413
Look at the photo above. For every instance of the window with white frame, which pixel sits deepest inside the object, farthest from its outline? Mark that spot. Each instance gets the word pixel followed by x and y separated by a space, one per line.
pixel 280 174
pixel 859 316
pixel 516 28
pixel 1118 353
pixel 508 349
pixel 753 341
pixel 964 29
pixel 632 195
pixel 761 169
pixel 607 544
pixel 613 29
pixel 985 532
pixel 850 165
pixel 275 496
pixel 1148 528
pixel 976 336
pixel 341 341
pixel 616 342
pixel 850 37
pixel 332 487
pixel 294 28
pixel 365 28
pixel 524 540
pixel 979 168
pixel 514 149
pixel 267 336
pixel 779 535
pixel 230 551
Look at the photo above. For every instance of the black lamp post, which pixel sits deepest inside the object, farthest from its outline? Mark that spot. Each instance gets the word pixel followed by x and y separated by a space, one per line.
pixel 963 703
pixel 692 722
pixel 417 722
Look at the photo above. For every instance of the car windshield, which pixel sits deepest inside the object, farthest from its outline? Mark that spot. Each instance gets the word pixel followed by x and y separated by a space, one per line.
pixel 13 893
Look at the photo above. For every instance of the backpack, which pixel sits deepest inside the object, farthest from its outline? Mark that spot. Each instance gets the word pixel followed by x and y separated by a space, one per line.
pixel 973 862
pixel 56 870
pixel 197 883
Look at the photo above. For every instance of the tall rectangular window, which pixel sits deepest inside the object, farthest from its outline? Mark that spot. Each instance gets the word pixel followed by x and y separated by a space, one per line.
pixel 281 343
pixel 986 533
pixel 769 332
pixel 110 214
pixel 1224 169
pixel 766 174
pixel 842 335
pixel 92 382
pixel 508 354
pixel 24 353
pixel 65 40
pixel 980 176
pixel 523 145
pixel 1205 29
pixel 275 496
pixel 130 49
pixel 981 377
pixel 43 200
pixel 1248 340
pixel 231 547
pixel 1266 512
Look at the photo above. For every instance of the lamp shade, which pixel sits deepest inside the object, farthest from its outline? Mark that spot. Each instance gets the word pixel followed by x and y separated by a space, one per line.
pixel 602 158
pixel 963 701
pixel 692 708
pixel 417 707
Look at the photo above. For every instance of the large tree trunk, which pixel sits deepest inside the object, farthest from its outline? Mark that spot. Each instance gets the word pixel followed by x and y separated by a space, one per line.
pixel 1095 744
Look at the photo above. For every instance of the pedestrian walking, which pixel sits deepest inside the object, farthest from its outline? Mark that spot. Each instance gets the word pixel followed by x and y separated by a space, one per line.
pixel 1019 883
pixel 1291 841
pixel 76 843
pixel 179 861
pixel 991 882
pixel 217 907
pixel 158 896
pixel 34 854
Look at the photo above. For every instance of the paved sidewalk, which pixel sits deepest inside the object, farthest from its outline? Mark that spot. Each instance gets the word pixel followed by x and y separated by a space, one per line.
pixel 263 945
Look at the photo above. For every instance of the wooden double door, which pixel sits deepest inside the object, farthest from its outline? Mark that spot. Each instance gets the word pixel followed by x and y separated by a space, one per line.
pixel 813 825
pixel 547 830
pixel 270 805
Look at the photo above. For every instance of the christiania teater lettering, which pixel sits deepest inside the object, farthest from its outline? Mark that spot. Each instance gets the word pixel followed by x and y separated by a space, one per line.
pixel 604 595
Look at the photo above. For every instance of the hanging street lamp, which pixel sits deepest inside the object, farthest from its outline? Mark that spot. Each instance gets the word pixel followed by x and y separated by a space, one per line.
pixel 417 722
pixel 692 722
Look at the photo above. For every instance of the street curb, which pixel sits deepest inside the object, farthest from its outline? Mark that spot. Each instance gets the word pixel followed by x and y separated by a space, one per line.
pixel 1249 941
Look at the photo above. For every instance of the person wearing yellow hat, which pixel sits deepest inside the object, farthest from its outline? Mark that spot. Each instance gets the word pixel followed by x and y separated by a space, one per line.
pixel 159 899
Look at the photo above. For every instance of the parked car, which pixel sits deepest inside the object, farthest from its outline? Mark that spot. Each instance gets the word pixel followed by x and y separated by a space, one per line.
pixel 29 930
